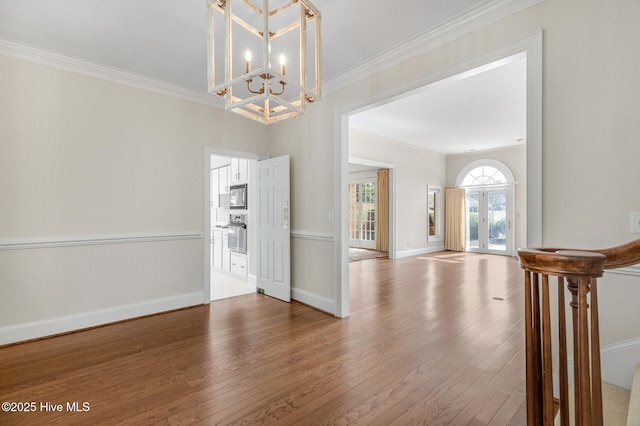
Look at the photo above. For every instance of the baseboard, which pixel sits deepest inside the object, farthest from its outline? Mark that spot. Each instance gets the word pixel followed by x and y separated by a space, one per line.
pixel 38 329
pixel 618 362
pixel 418 252
pixel 252 279
pixel 319 302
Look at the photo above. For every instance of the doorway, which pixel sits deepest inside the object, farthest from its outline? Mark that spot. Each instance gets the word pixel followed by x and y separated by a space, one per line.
pixel 531 48
pixel 372 209
pixel 489 212
pixel 231 225
pixel 362 214
pixel 488 221
pixel 216 216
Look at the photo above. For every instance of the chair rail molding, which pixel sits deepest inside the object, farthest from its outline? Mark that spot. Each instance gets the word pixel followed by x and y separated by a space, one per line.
pixel 312 235
pixel 92 240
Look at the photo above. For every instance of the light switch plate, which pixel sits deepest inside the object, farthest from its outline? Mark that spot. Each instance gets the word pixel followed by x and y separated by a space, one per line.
pixel 635 223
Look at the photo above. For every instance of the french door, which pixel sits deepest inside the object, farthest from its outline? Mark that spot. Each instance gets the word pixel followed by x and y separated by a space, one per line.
pixel 362 215
pixel 489 217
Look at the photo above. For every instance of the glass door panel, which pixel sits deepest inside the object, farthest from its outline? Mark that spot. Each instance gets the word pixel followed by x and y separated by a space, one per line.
pixel 497 221
pixel 489 220
pixel 354 213
pixel 362 215
pixel 472 211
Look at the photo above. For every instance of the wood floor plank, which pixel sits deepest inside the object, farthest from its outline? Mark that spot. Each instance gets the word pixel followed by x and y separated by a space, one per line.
pixel 432 339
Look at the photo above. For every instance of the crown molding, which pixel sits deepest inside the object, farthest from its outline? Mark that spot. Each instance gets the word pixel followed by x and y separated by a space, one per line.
pixel 58 61
pixel 461 25
pixel 457 27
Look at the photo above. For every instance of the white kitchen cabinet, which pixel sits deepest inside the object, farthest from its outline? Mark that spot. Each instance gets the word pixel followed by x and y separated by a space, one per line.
pixel 220 251
pixel 226 253
pixel 239 264
pixel 223 180
pixel 215 188
pixel 239 172
pixel 216 249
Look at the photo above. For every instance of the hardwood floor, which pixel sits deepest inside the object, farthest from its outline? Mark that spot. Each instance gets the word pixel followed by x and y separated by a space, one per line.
pixel 435 339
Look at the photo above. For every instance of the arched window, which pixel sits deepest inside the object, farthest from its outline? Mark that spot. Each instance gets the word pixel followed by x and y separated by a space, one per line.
pixel 484 172
pixel 483 175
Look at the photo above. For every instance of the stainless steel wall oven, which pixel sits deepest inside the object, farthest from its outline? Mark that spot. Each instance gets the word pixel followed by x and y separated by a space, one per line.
pixel 237 233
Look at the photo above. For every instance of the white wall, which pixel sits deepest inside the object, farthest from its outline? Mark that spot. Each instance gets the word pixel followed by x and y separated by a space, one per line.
pixel 590 149
pixel 515 158
pixel 84 157
pixel 309 140
pixel 415 168
pixel 86 165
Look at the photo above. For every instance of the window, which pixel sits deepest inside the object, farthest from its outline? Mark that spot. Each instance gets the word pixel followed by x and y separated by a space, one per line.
pixel 483 175
pixel 434 213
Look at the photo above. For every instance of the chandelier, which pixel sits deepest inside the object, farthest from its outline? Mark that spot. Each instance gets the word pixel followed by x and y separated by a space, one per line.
pixel 264 56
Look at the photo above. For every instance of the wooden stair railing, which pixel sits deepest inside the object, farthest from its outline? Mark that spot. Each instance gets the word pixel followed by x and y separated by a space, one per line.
pixel 580 269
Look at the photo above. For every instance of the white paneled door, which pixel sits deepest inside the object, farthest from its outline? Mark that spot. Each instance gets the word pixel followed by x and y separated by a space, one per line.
pixel 273 223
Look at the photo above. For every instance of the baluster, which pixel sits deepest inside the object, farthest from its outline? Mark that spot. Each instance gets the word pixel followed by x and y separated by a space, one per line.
pixel 582 382
pixel 533 411
pixel 564 374
pixel 547 365
pixel 596 375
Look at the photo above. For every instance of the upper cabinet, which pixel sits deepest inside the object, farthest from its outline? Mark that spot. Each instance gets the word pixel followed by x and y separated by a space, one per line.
pixel 239 172
pixel 223 180
pixel 215 188
pixel 223 177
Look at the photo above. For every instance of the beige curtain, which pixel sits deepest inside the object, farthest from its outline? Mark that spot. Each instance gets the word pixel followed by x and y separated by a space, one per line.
pixel 455 220
pixel 382 210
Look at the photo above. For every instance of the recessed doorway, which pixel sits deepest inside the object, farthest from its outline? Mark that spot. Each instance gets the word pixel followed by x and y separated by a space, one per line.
pixel 231 225
pixel 529 48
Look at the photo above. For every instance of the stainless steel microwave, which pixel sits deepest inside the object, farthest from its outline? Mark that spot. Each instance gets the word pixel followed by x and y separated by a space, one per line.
pixel 238 197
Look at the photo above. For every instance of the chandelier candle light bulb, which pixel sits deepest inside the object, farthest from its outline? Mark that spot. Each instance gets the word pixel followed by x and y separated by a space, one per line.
pixel 247 57
pixel 283 61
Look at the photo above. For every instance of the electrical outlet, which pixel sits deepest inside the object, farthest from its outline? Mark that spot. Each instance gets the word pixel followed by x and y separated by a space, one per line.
pixel 635 223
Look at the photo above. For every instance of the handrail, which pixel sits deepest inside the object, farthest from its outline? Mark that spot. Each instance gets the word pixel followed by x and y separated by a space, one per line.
pixel 580 269
pixel 562 263
pixel 617 257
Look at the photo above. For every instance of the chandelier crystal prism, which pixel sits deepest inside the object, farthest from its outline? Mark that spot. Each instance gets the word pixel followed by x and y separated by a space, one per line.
pixel 264 56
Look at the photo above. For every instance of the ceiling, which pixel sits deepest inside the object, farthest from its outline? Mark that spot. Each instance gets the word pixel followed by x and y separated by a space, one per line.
pixel 165 40
pixel 480 110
